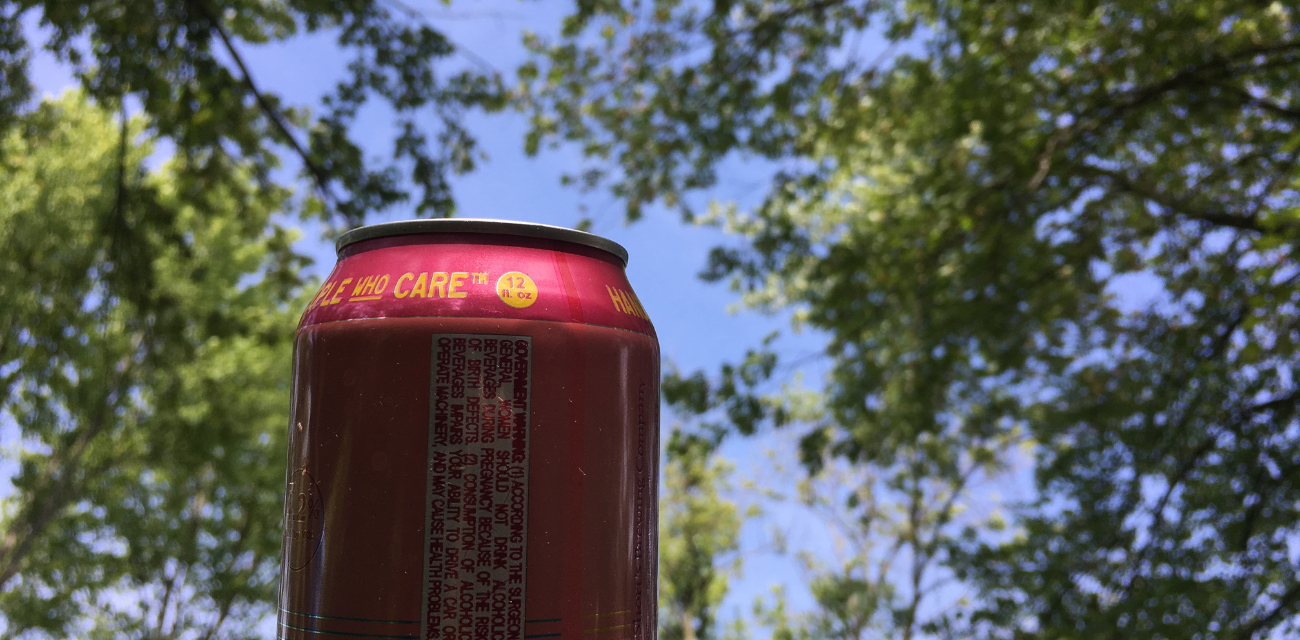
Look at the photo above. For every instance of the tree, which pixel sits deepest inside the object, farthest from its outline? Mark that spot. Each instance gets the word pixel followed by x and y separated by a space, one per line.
pixel 145 312
pixel 966 213
pixel 886 577
pixel 184 63
pixel 147 323
pixel 699 529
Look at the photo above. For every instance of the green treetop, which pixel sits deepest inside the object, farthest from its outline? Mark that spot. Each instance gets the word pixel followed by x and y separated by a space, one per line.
pixel 698 540
pixel 968 209
pixel 185 63
pixel 146 326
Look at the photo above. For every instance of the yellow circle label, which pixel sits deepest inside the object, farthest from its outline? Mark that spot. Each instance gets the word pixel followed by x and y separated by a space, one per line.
pixel 517 289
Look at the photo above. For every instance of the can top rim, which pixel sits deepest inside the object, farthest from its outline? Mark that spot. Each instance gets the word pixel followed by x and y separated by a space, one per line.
pixel 480 225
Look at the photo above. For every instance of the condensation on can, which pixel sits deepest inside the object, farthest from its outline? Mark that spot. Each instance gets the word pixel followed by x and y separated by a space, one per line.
pixel 473 450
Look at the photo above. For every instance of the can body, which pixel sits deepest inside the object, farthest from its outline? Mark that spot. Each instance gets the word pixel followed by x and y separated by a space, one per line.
pixel 473 450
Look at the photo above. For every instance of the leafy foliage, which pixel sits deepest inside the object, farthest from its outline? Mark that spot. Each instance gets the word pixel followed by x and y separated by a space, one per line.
pixel 183 62
pixel 699 530
pixel 970 220
pixel 147 321
pixel 147 315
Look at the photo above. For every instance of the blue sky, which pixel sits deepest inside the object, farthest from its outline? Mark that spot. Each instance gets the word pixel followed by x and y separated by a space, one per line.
pixel 696 328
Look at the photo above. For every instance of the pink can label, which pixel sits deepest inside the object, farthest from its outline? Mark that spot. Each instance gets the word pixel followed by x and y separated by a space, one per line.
pixel 477 281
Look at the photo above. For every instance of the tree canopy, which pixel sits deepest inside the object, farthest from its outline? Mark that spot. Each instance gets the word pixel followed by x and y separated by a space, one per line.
pixel 698 541
pixel 1049 242
pixel 970 209
pixel 147 321
pixel 184 64
pixel 148 313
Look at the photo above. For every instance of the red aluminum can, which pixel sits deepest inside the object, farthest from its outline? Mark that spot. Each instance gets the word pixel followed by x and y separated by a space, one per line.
pixel 473 451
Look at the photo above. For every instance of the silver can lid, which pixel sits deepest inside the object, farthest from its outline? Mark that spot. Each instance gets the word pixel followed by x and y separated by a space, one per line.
pixel 480 225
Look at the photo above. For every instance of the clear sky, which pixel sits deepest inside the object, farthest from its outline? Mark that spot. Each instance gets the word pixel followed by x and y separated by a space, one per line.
pixel 696 328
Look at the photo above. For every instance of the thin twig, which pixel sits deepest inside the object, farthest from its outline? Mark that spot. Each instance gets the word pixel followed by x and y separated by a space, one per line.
pixel 119 204
pixel 1284 602
pixel 412 12
pixel 1183 208
pixel 319 175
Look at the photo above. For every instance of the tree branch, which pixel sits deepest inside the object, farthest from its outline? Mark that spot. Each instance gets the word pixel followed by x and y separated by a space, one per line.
pixel 51 495
pixel 38 513
pixel 1108 109
pixel 1284 602
pixel 416 14
pixel 1183 209
pixel 119 203
pixel 779 18
pixel 1269 106
pixel 1220 67
pixel 319 175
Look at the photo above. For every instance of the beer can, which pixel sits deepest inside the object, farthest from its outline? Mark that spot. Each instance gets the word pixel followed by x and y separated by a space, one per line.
pixel 474 444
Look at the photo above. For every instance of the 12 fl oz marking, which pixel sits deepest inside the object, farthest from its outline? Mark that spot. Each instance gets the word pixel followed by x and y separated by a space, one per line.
pixel 516 289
